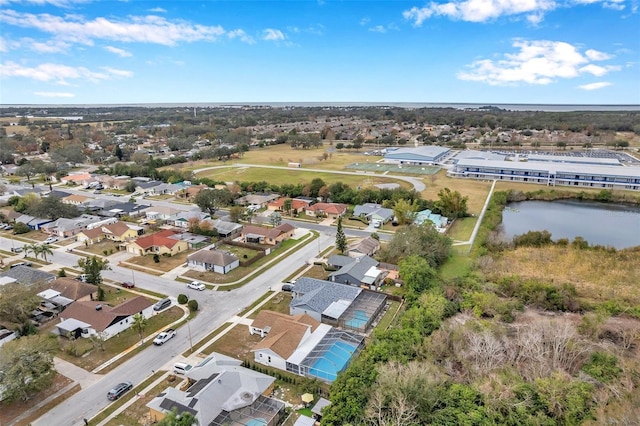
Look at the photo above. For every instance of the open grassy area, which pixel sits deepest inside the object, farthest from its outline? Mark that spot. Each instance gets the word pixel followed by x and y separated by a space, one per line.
pixel 457 265
pixel 585 269
pixel 285 176
pixel 279 303
pixel 476 190
pixel 240 252
pixel 461 229
pixel 99 248
pixel 166 263
pixel 90 357
pixel 236 343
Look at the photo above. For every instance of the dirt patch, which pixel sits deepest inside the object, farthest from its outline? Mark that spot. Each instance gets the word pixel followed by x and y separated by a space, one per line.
pixel 10 412
pixel 237 343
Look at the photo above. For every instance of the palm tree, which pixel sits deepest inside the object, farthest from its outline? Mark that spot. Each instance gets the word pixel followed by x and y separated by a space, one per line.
pixel 45 249
pixel 31 248
pixel 139 323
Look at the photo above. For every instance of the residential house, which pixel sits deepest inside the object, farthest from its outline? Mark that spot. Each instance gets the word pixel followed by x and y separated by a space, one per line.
pixel 87 318
pixel 33 222
pixel 373 212
pixel 182 218
pixel 221 392
pixel 355 271
pixel 312 296
pixel 427 216
pixel 332 210
pixel 114 182
pixel 271 236
pixel 146 187
pixel 91 236
pixel 65 228
pixel 123 209
pixel 75 199
pixel 256 199
pixel 225 228
pixel 74 289
pixel 213 260
pixel 190 192
pixel 158 243
pixel 160 213
pixel 297 205
pixel 165 189
pixel 27 275
pixel 78 179
pixel 365 247
pixel 53 302
pixel 194 241
pixel 122 231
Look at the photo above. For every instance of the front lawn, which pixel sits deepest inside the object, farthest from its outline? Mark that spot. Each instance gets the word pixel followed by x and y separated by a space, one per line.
pixel 99 248
pixel 236 343
pixel 242 253
pixel 166 263
pixel 85 354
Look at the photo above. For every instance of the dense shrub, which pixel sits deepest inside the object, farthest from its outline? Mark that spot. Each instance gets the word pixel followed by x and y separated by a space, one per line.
pixel 193 305
pixel 182 299
pixel 602 367
pixel 539 294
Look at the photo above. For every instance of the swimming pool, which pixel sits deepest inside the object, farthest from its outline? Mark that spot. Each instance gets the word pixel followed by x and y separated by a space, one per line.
pixel 257 422
pixel 333 361
pixel 359 319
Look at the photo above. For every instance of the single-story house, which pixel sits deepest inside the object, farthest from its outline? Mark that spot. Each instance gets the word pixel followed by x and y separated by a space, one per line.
pixel 74 289
pixel 28 275
pixel 33 222
pixel 271 236
pixel 146 187
pixel 365 247
pixel 221 392
pixel 355 271
pixel 297 205
pixel 78 179
pixel 123 209
pixel 86 318
pixel 64 227
pixel 190 192
pixel 182 219
pixel 256 199
pixel 75 199
pixel 160 213
pixel 213 260
pixel 53 301
pixel 225 228
pixel 332 210
pixel 165 188
pixel 122 231
pixel 194 241
pixel 114 182
pixel 313 297
pixel 373 212
pixel 158 243
pixel 439 221
pixel 92 236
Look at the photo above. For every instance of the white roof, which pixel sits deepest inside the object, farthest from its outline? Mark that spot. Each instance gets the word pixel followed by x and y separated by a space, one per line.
pixel 49 294
pixel 72 324
pixel 307 345
pixel 337 308
pixel 7 280
pixel 579 169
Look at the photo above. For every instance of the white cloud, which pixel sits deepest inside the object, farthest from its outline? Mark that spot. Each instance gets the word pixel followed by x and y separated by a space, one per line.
pixel 143 29
pixel 537 62
pixel 378 29
pixel 120 52
pixel 50 46
pixel 58 3
pixel 158 10
pixel 117 72
pixel 55 94
pixel 481 10
pixel 240 34
pixel 595 86
pixel 58 73
pixel 271 34
pixel 7 45
pixel 365 21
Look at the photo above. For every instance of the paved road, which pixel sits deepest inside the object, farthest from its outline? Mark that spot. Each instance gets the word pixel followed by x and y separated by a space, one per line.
pixel 217 307
pixel 416 182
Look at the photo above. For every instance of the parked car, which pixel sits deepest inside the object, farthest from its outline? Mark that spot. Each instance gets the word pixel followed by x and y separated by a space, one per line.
pixel 164 336
pixel 287 287
pixel 16 249
pixel 128 284
pixel 182 368
pixel 50 240
pixel 196 285
pixel 162 304
pixel 20 264
pixel 119 390
pixel 82 277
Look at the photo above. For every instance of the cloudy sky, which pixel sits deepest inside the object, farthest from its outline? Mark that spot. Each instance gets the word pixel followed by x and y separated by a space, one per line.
pixel 475 51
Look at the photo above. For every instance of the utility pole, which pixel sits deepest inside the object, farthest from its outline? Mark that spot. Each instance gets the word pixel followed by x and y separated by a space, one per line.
pixel 189 328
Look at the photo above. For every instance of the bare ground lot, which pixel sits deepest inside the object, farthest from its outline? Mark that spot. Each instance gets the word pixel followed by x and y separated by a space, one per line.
pixel 166 263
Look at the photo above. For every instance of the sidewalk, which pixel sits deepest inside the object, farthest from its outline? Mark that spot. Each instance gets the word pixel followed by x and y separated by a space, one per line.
pixel 79 375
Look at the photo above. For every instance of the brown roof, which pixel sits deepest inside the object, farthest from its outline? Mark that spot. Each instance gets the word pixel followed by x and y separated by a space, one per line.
pixel 268 232
pixel 85 311
pixel 76 197
pixel 72 289
pixel 295 204
pixel 93 233
pixel 132 306
pixel 286 331
pixel 117 228
pixel 332 208
pixel 158 239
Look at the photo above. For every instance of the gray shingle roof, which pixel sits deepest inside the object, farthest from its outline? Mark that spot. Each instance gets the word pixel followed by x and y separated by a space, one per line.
pixel 28 275
pixel 357 268
pixel 319 294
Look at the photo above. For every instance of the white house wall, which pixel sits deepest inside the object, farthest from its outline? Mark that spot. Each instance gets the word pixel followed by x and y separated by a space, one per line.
pixel 270 358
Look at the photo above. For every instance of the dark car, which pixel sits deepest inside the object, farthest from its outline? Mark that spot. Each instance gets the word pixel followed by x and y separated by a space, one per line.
pixel 287 287
pixel 128 284
pixel 162 304
pixel 118 390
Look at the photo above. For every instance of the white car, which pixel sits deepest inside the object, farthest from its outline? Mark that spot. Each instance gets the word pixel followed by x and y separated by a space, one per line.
pixel 51 240
pixel 196 285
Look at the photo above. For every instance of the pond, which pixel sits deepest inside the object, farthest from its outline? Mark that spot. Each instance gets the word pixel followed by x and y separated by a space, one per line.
pixel 604 224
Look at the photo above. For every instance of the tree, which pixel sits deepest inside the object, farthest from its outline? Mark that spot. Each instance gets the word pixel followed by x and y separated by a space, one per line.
pixel 31 248
pixel 451 204
pixel 341 239
pixel 92 267
pixel 44 250
pixel 275 219
pixel 287 206
pixel 26 366
pixel 118 153
pixel 235 213
pixel 130 186
pixel 421 240
pixel 139 324
pixel 210 200
pixel 17 301
pixel 417 274
pixel 52 208
pixel 405 211
pixel 178 419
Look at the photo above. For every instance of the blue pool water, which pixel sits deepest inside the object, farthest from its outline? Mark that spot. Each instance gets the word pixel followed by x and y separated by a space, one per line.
pixel 359 319
pixel 333 361
pixel 257 422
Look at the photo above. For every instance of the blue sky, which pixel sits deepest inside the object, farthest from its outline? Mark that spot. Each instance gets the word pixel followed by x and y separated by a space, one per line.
pixel 467 51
